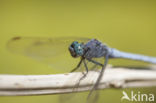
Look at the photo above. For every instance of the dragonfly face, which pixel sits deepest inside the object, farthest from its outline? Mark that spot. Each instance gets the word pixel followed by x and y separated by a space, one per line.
pixel 76 49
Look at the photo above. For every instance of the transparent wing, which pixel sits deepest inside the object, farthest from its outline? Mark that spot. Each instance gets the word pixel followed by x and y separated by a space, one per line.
pixel 78 98
pixel 94 97
pixel 42 47
pixel 75 97
pixel 53 51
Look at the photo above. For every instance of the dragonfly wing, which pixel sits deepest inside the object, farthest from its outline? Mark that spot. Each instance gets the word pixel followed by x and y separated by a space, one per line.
pixel 41 47
pixel 94 97
pixel 49 50
pixel 73 97
pixel 79 97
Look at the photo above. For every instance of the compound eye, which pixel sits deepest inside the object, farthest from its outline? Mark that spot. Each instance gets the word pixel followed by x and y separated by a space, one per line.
pixel 79 47
pixel 72 45
pixel 76 42
pixel 72 52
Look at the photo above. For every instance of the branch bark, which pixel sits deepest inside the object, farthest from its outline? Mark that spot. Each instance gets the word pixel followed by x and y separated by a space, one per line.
pixel 11 85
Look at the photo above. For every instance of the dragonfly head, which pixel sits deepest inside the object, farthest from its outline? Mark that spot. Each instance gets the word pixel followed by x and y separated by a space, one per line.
pixel 76 49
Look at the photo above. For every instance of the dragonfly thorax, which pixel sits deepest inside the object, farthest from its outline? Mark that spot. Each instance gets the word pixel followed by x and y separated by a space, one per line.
pixel 76 49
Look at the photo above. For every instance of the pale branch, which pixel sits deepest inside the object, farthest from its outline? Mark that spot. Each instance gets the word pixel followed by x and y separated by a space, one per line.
pixel 11 85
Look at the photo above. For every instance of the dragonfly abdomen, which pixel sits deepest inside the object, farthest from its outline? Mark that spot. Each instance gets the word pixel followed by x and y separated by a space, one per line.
pixel 119 54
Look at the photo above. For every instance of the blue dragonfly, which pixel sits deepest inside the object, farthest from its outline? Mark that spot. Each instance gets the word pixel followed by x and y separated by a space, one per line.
pixel 92 53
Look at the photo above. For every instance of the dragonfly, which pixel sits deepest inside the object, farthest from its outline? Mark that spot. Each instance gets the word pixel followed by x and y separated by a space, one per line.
pixel 91 53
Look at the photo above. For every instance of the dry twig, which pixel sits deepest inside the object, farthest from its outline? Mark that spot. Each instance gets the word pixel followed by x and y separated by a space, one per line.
pixel 11 85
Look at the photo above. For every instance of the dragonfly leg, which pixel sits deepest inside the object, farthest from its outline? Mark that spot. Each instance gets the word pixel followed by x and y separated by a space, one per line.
pixel 100 76
pixel 84 74
pixel 95 62
pixel 77 65
pixel 80 62
pixel 85 65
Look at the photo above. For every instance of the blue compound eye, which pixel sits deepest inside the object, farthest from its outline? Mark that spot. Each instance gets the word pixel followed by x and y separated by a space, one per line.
pixel 76 49
pixel 79 49
pixel 73 49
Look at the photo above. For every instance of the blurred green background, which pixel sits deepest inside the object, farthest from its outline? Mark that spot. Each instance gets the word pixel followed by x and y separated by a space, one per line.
pixel 129 25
